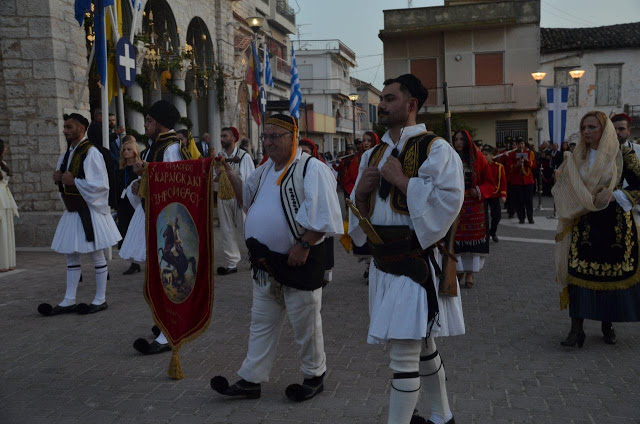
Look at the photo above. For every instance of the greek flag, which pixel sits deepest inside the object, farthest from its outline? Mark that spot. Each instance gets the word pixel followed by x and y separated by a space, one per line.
pixel 136 4
pixel 268 77
pixel 557 99
pixel 295 97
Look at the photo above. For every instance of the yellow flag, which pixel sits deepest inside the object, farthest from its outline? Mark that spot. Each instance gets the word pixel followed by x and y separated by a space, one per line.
pixel 112 74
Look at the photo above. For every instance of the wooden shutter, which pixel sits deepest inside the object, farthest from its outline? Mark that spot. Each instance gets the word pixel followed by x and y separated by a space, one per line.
pixel 489 68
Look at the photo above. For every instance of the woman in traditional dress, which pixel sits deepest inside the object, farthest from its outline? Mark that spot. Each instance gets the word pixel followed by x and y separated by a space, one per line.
pixel 597 238
pixel 472 243
pixel 129 154
pixel 8 209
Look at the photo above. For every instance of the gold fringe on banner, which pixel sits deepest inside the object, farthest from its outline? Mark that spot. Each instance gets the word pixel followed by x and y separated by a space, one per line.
pixel 175 369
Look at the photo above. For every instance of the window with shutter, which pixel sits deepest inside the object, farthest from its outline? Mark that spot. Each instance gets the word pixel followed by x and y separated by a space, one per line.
pixel 562 78
pixel 608 84
pixel 489 68
pixel 427 72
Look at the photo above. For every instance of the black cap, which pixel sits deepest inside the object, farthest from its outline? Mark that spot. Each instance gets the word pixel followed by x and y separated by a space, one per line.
pixel 78 118
pixel 165 113
pixel 413 85
pixel 519 139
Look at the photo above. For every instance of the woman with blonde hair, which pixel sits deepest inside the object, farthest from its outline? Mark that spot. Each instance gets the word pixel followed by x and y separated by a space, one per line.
pixel 8 209
pixel 597 238
pixel 129 154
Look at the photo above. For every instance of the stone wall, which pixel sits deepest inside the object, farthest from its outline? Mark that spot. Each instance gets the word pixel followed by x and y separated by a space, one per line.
pixel 42 63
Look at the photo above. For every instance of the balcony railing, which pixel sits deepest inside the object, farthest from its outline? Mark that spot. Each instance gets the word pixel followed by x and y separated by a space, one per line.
pixel 333 45
pixel 283 8
pixel 281 70
pixel 472 95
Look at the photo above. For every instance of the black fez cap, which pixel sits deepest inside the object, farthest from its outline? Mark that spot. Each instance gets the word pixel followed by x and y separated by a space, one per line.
pixel 413 85
pixel 165 113
pixel 78 118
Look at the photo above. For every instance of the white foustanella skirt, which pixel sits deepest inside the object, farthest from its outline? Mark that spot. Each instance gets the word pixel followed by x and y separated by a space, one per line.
pixel 134 246
pixel 70 236
pixel 398 309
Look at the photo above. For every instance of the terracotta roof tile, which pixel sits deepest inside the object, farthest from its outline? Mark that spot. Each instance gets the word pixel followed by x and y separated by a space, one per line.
pixel 604 37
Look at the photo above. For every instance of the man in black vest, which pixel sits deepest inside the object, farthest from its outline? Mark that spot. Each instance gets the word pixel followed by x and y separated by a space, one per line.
pixel 86 226
pixel 165 147
pixel 292 205
pixel 411 186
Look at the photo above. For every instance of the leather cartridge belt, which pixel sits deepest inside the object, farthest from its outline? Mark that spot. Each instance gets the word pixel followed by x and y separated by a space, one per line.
pixel 74 203
pixel 401 254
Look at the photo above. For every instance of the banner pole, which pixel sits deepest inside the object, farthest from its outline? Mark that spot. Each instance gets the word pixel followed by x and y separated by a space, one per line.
pixel 116 38
pixel 86 75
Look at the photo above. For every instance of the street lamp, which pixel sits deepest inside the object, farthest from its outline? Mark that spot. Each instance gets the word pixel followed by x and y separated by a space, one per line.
pixel 576 74
pixel 538 77
pixel 354 98
pixel 255 22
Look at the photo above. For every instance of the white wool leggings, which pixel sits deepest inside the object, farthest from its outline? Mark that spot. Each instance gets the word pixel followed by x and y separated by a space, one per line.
pixel 74 271
pixel 405 386
pixel 434 383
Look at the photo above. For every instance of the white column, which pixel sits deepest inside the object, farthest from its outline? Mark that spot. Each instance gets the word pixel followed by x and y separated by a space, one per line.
pixel 135 119
pixel 214 118
pixel 179 76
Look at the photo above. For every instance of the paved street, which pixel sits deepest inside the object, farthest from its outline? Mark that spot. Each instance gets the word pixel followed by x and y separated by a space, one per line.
pixel 508 368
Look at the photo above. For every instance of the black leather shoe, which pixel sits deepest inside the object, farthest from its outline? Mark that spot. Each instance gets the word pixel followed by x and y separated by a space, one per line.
pixel 132 269
pixel 242 388
pixel 495 238
pixel 574 338
pixel 155 330
pixel 310 388
pixel 531 221
pixel 451 421
pixel 84 309
pixel 146 348
pixel 521 221
pixel 224 271
pixel 48 311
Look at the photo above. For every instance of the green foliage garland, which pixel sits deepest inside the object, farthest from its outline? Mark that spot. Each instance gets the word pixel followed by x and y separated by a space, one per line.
pixel 139 137
pixel 143 82
pixel 137 106
pixel 173 89
pixel 219 81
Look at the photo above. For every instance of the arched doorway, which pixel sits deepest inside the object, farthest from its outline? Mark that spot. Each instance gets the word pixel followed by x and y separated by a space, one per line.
pixel 199 46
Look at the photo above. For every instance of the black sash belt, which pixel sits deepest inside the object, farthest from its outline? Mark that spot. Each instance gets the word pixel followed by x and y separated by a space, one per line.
pixel 75 203
pixel 402 255
pixel 309 276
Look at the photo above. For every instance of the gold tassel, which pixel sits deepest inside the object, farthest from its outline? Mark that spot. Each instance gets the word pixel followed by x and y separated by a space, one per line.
pixel 564 298
pixel 175 369
pixel 345 240
pixel 143 191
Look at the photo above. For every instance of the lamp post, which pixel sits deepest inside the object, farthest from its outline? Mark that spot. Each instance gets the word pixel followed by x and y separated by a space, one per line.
pixel 538 77
pixel 354 98
pixel 255 23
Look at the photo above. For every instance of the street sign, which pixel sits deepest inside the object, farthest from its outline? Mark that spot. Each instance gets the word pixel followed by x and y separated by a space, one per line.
pixel 126 62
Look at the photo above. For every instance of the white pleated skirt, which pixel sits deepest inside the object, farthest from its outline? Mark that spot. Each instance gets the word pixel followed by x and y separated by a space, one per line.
pixel 470 262
pixel 134 246
pixel 70 236
pixel 398 309
pixel 7 240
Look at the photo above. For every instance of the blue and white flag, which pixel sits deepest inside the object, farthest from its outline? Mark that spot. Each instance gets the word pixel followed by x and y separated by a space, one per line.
pixel 268 77
pixel 295 98
pixel 136 4
pixel 82 7
pixel 557 99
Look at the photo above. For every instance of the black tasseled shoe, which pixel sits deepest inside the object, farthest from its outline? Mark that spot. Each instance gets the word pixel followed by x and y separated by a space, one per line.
pixel 309 388
pixel 48 311
pixel 241 389
pixel 146 348
pixel 84 309
pixel 155 330
pixel 451 421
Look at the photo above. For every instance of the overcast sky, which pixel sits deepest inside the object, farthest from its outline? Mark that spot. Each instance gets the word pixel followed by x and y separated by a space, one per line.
pixel 357 23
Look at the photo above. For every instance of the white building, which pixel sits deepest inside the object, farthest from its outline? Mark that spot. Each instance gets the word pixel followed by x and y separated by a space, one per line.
pixel 610 57
pixel 324 68
pixel 193 53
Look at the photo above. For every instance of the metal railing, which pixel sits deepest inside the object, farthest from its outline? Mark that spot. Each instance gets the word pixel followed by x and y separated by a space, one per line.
pixel 283 8
pixel 281 68
pixel 472 95
pixel 333 45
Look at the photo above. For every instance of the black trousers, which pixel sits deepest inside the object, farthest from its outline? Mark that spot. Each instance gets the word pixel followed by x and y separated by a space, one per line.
pixel 493 206
pixel 523 201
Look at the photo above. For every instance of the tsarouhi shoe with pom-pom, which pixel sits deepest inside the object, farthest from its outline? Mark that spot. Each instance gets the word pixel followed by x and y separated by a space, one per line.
pixel 48 311
pixel 242 388
pixel 309 388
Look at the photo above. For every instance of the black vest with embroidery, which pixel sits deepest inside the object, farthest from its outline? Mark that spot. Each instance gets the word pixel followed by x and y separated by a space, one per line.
pixel 413 155
pixel 157 149
pixel 75 166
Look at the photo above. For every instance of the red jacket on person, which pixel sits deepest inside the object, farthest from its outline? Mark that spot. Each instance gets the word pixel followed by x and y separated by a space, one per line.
pixel 521 174
pixel 497 177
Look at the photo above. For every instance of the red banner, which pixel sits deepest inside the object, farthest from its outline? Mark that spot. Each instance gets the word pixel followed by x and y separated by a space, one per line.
pixel 179 276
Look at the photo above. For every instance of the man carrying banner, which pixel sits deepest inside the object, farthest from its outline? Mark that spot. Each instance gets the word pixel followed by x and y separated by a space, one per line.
pixel 230 214
pixel 86 226
pixel 411 186
pixel 291 205
pixel 165 147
